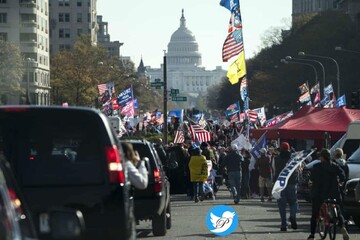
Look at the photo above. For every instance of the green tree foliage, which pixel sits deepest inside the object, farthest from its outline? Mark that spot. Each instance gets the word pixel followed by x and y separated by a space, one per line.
pixel 11 71
pixel 75 74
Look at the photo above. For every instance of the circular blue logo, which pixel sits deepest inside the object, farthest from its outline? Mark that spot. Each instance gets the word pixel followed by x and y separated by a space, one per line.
pixel 222 220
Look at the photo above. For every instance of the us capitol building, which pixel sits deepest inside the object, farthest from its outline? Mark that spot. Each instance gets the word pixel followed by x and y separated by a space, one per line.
pixel 184 70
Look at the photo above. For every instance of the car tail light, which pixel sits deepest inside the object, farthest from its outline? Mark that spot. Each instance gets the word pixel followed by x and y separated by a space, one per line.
pixel 116 171
pixel 16 203
pixel 16 109
pixel 157 181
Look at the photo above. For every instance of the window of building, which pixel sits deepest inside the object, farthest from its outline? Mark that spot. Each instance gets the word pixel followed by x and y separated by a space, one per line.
pixel 61 17
pixel 79 17
pixel 67 17
pixel 2 1
pixel 3 36
pixel 3 17
pixel 64 33
pixel 79 3
pixel 89 17
pixel 64 3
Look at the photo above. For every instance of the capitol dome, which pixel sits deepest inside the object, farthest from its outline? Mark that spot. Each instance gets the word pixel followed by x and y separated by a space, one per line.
pixel 183 50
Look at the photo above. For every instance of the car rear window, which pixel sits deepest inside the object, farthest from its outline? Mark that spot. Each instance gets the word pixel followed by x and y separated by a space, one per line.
pixel 48 149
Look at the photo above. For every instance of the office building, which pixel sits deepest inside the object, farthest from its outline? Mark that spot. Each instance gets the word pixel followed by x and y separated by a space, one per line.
pixel 25 23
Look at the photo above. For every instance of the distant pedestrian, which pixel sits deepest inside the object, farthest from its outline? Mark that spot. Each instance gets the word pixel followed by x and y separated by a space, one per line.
pixel 264 165
pixel 232 162
pixel 198 173
pixel 288 194
pixel 245 174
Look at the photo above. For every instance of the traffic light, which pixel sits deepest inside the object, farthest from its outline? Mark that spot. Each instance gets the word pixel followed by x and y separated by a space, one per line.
pixel 355 99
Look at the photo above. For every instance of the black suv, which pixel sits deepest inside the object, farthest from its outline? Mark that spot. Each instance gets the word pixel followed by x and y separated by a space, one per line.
pixel 69 157
pixel 152 203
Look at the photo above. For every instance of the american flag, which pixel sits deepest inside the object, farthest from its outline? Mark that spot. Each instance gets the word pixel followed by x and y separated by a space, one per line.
pixel 128 110
pixel 253 115
pixel 106 86
pixel 179 137
pixel 233 45
pixel 199 134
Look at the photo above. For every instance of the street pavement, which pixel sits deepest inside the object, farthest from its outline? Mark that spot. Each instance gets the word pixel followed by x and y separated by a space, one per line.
pixel 257 220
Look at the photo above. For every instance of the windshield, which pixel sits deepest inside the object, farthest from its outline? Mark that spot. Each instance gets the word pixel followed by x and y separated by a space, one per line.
pixel 355 157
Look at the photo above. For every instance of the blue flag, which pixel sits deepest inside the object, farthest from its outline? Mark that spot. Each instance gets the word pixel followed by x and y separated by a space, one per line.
pixel 341 101
pixel 125 97
pixel 261 143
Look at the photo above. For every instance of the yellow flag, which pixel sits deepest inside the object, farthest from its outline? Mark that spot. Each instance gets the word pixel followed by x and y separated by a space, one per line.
pixel 237 69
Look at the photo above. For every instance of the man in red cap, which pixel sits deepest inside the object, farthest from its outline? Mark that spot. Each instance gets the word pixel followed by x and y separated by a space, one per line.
pixel 289 194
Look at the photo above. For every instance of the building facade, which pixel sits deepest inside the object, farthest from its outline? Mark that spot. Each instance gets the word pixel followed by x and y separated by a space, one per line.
pixel 184 66
pixel 303 7
pixel 26 23
pixel 103 38
pixel 68 20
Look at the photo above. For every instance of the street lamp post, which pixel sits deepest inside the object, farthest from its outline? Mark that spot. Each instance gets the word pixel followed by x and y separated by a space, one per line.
pixel 336 64
pixel 289 58
pixel 346 50
pixel 302 63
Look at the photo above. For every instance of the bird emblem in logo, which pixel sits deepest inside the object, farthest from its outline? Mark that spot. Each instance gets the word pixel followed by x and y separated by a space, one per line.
pixel 222 220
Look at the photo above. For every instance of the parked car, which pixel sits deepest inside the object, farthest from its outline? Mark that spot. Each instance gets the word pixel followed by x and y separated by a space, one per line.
pixel 152 203
pixel 353 163
pixel 351 202
pixel 69 157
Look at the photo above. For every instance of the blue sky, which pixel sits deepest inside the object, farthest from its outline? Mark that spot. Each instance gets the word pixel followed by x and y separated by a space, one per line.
pixel 145 27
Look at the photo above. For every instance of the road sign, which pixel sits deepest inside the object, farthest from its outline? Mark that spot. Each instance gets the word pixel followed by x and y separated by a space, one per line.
pixel 174 91
pixel 157 84
pixel 179 98
pixel 157 80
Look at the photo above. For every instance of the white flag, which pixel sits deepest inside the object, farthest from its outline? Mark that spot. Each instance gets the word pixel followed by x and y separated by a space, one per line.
pixel 285 174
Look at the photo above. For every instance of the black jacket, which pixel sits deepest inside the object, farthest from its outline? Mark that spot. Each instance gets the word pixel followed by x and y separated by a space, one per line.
pixel 325 177
pixel 280 162
pixel 232 161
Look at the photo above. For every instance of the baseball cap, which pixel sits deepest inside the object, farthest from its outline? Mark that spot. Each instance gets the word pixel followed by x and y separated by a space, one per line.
pixel 285 146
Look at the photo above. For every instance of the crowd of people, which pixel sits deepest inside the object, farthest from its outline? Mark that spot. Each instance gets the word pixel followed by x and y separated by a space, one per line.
pixel 246 180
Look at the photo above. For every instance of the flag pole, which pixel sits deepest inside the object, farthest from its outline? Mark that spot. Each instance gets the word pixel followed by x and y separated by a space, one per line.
pixel 165 130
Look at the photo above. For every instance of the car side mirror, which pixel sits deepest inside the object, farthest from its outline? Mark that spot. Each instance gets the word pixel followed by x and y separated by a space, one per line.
pixel 64 224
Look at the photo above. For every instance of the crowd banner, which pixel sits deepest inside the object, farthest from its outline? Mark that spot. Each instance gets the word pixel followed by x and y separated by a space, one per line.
pixel 281 182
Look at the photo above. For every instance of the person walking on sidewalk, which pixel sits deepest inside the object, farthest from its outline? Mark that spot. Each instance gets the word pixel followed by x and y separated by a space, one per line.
pixel 289 194
pixel 245 174
pixel 198 173
pixel 232 162
pixel 326 177
pixel 263 164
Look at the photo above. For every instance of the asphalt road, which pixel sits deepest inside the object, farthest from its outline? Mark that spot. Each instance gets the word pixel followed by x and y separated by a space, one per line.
pixel 257 221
